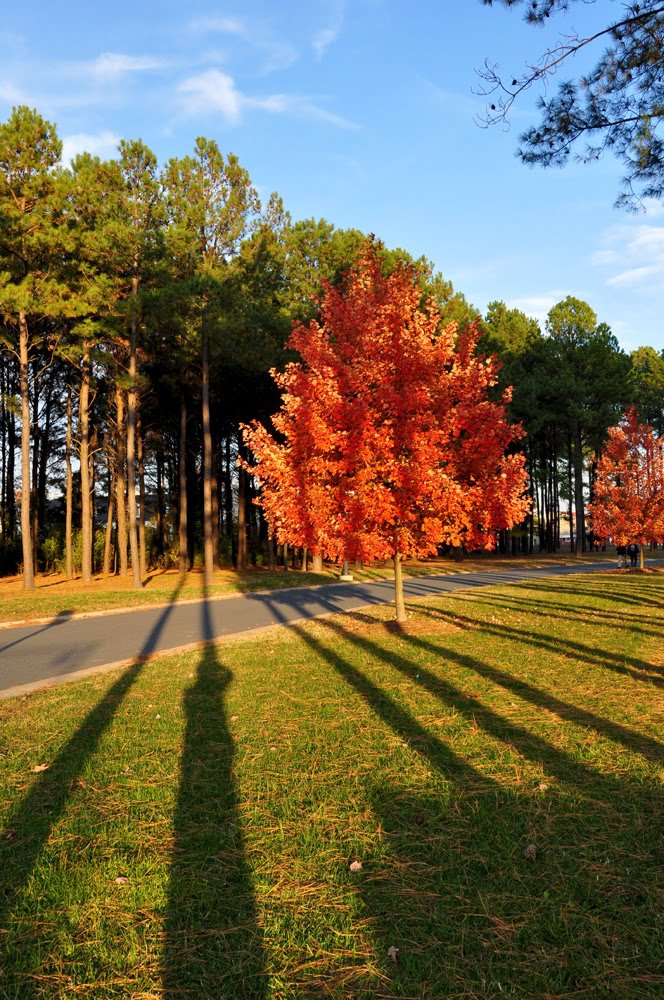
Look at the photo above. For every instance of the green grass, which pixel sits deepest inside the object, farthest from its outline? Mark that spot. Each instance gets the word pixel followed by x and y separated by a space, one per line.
pixel 233 788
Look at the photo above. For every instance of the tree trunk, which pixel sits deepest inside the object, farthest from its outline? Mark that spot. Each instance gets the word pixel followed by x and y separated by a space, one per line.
pixel 108 540
pixel 578 492
pixel 36 437
pixel 120 480
pixel 208 536
pixel 26 539
pixel 84 458
pixel 316 563
pixel 242 521
pixel 399 602
pixel 141 498
pixel 69 491
pixel 182 498
pixel 137 583
pixel 271 556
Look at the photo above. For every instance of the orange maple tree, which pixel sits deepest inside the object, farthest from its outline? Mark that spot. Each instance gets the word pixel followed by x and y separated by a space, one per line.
pixel 387 441
pixel 628 500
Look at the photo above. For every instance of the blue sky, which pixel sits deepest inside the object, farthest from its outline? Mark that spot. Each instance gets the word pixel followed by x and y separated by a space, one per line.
pixel 361 112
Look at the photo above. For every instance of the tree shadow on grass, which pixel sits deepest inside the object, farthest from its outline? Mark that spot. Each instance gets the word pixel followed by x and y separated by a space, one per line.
pixel 470 912
pixel 212 941
pixel 631 666
pixel 29 826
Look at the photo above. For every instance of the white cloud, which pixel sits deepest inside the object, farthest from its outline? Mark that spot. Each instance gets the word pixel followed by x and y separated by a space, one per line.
pixel 328 35
pixel 103 144
pixel 111 65
pixel 538 306
pixel 279 54
pixel 215 91
pixel 212 91
pixel 632 256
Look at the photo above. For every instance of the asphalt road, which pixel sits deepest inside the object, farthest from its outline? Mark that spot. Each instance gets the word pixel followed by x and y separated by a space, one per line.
pixel 60 650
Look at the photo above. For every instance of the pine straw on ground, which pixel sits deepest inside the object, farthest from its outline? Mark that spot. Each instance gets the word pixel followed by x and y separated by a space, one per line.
pixel 186 828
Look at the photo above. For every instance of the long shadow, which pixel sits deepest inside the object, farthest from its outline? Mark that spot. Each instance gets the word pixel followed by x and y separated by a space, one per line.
pixel 644 624
pixel 59 619
pixel 29 824
pixel 622 664
pixel 212 942
pixel 529 744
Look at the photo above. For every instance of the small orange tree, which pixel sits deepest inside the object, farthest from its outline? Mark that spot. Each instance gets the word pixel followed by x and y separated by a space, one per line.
pixel 628 502
pixel 388 442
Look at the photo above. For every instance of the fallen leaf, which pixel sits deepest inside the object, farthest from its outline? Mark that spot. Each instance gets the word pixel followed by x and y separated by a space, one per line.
pixel 121 880
pixel 40 767
pixel 157 716
pixel 530 852
pixel 10 835
pixel 543 786
pixel 392 953
pixel 234 718
pixel 356 866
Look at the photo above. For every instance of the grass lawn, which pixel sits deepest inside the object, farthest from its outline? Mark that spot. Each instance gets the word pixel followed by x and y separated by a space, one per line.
pixel 190 827
pixel 55 595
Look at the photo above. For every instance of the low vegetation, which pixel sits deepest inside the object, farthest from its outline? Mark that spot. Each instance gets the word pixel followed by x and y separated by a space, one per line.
pixel 468 806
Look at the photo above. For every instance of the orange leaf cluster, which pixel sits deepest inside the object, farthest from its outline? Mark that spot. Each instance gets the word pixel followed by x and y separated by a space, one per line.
pixel 628 501
pixel 387 440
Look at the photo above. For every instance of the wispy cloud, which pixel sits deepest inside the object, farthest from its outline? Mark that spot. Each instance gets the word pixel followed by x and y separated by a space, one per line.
pixel 331 32
pixel 278 54
pixel 103 144
pixel 112 65
pixel 632 256
pixel 216 92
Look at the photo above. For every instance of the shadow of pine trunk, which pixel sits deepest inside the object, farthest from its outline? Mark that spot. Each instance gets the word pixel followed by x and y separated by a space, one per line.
pixel 213 945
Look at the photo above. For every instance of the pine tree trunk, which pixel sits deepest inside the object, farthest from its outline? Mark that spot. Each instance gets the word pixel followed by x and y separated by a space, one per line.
pixel 69 492
pixel 578 492
pixel 120 480
pixel 242 521
pixel 36 436
pixel 182 480
pixel 137 582
pixel 208 538
pixel 84 457
pixel 399 602
pixel 141 498
pixel 110 514
pixel 26 539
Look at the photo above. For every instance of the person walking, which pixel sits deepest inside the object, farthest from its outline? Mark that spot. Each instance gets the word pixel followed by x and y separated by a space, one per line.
pixel 632 552
pixel 621 551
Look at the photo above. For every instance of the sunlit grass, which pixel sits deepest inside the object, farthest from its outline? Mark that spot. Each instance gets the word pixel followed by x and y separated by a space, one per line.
pixel 495 767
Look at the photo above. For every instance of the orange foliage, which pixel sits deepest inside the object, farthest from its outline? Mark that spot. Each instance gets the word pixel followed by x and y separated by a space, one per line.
pixel 387 441
pixel 628 502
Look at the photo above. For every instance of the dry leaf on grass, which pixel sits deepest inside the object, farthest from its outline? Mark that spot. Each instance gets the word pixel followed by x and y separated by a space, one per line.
pixel 356 866
pixel 40 767
pixel 530 852
pixel 392 953
pixel 121 880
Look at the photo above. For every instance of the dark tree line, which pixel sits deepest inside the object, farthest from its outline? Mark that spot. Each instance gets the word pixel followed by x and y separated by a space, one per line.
pixel 142 308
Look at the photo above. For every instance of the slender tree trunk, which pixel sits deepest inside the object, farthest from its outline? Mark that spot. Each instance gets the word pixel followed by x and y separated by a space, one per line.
pixel 182 478
pixel 161 507
pixel 285 555
pixel 305 554
pixel 137 583
pixel 399 602
pixel 242 521
pixel 26 539
pixel 110 514
pixel 84 457
pixel 208 538
pixel 317 563
pixel 69 494
pixel 228 489
pixel 36 437
pixel 271 555
pixel 120 480
pixel 578 491
pixel 141 497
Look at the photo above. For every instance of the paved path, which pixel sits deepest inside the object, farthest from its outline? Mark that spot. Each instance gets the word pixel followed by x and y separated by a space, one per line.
pixel 35 655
